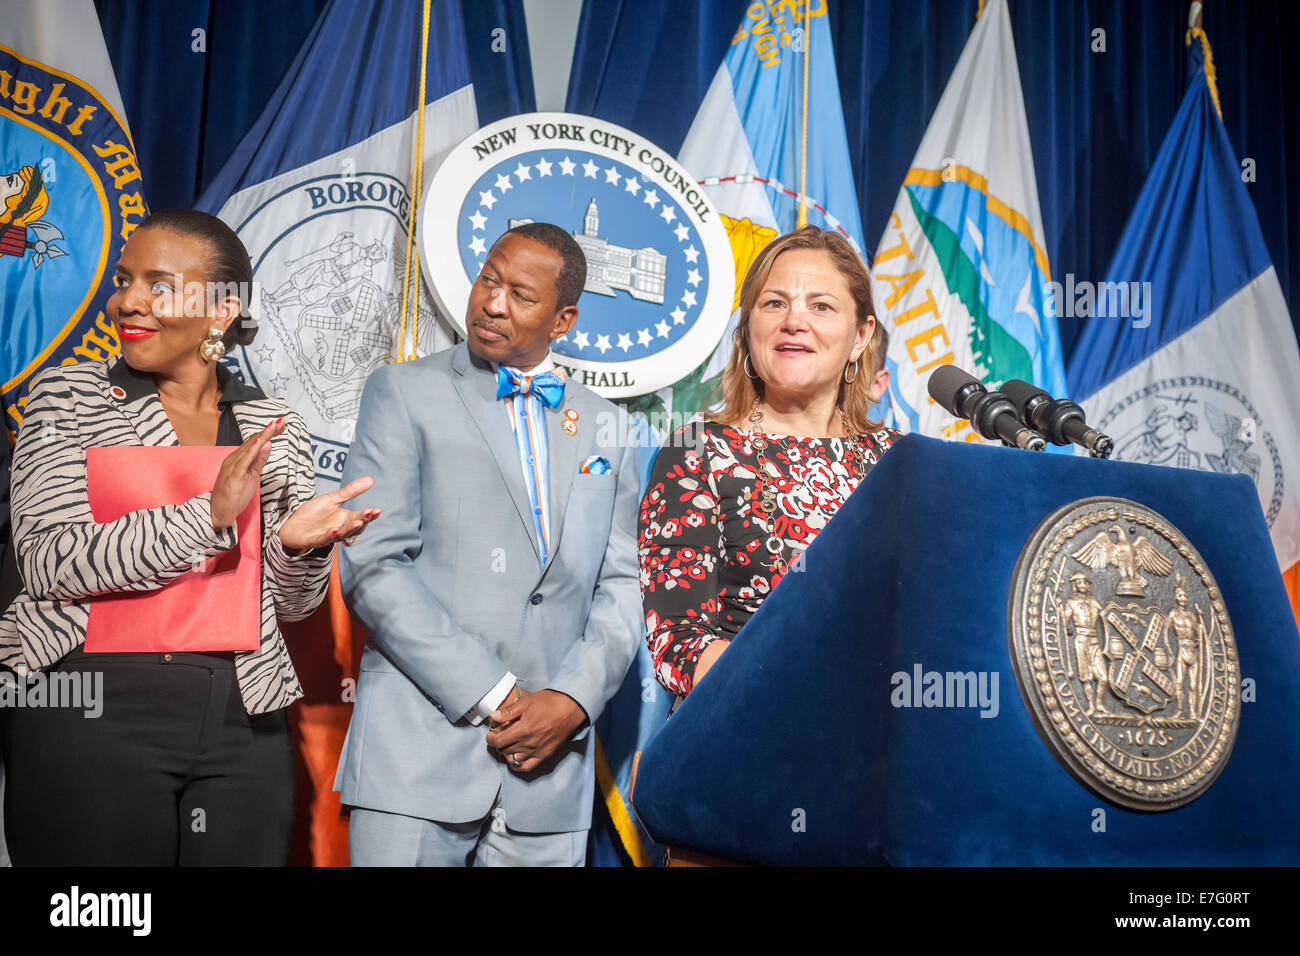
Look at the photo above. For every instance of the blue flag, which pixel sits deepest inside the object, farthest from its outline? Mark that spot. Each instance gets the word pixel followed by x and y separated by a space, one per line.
pixel 1190 358
pixel 747 141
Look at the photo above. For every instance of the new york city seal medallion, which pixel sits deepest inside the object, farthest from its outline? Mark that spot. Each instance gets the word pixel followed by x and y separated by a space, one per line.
pixel 1124 653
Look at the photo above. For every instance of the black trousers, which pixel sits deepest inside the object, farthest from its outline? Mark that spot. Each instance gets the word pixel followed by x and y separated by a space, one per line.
pixel 172 772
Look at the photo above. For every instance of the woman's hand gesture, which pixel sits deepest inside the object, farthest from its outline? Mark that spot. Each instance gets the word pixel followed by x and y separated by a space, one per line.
pixel 240 474
pixel 314 524
pixel 323 520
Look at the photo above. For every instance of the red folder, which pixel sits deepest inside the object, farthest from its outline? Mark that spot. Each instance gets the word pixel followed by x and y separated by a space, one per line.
pixel 216 606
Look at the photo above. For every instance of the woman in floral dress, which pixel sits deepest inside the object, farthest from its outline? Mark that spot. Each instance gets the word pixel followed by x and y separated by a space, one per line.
pixel 733 500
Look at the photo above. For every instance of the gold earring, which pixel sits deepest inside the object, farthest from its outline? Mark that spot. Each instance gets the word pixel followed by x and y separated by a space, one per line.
pixel 847 380
pixel 745 367
pixel 212 349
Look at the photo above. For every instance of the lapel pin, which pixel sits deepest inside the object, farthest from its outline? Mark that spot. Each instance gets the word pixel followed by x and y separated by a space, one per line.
pixel 570 427
pixel 571 414
pixel 118 392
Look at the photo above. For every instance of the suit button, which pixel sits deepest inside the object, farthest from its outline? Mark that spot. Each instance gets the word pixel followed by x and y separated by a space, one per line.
pixel 536 598
pixel 167 657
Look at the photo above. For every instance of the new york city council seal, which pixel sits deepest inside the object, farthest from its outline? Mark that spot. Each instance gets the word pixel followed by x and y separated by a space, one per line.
pixel 1124 653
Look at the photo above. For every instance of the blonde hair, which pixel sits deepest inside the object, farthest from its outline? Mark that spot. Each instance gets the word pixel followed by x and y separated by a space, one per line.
pixel 29 203
pixel 853 398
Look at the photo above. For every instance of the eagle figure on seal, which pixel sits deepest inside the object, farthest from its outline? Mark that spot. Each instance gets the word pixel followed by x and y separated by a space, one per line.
pixel 1130 557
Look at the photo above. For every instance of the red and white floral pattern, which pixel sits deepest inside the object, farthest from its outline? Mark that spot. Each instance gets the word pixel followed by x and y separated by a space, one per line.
pixel 705 565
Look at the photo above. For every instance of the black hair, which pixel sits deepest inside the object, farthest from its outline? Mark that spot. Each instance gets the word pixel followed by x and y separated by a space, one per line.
pixel 573 264
pixel 227 262
pixel 878 350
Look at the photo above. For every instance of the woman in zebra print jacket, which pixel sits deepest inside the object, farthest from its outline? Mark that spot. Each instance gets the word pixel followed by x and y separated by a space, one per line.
pixel 189 759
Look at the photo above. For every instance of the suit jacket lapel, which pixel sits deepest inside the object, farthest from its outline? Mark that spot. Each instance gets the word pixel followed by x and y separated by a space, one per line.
pixel 250 422
pixel 476 386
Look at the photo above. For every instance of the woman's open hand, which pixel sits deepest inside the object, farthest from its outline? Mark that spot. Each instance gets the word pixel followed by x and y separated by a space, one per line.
pixel 323 520
pixel 240 474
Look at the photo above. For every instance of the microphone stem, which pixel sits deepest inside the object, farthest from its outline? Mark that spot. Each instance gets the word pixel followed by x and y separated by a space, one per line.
pixel 1029 441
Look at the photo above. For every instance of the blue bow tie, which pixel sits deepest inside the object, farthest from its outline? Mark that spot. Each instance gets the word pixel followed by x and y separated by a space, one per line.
pixel 548 387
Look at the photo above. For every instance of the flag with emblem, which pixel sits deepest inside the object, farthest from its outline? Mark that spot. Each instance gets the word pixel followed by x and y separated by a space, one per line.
pixel 70 192
pixel 749 144
pixel 1189 359
pixel 769 138
pixel 961 275
pixel 321 190
pixel 769 129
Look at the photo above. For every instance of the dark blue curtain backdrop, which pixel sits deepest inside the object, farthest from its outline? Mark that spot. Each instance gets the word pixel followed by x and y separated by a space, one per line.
pixel 188 110
pixel 1096 119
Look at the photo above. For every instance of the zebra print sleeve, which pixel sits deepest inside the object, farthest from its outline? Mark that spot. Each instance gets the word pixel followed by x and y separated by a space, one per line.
pixel 297 582
pixel 63 552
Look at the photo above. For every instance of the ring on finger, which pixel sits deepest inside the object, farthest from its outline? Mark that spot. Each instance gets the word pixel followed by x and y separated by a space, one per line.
pixel 514 758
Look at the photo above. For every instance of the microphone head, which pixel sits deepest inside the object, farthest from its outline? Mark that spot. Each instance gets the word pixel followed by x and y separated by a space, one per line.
pixel 1033 405
pixel 1021 393
pixel 946 382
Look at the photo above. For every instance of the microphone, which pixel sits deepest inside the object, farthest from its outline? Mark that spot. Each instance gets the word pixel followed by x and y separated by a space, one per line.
pixel 1060 421
pixel 991 413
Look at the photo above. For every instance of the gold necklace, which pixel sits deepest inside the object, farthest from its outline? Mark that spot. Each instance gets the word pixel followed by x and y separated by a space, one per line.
pixel 764 494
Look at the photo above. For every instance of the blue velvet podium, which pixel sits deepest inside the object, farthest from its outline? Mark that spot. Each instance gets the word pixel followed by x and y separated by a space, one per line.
pixel 790 751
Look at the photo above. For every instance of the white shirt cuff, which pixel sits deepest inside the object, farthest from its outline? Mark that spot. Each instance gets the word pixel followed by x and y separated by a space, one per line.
pixel 491 700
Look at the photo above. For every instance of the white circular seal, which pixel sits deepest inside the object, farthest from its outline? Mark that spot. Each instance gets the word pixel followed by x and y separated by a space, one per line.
pixel 1191 421
pixel 660 274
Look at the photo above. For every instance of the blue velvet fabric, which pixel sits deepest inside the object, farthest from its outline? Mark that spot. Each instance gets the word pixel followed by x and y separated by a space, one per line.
pixel 916 568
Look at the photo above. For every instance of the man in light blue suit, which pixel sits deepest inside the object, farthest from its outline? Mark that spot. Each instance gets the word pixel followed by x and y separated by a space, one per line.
pixel 501 589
